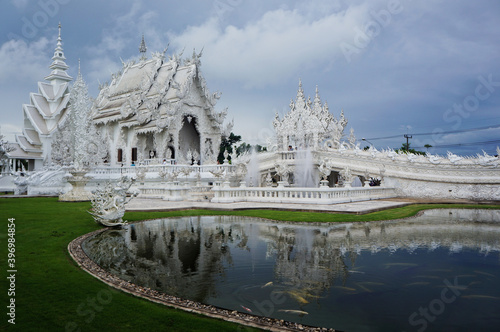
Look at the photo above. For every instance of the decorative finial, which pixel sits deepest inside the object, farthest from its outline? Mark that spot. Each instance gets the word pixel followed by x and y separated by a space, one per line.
pixel 58 65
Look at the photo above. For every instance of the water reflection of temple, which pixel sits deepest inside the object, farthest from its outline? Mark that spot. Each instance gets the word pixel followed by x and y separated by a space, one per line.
pixel 191 254
pixel 170 255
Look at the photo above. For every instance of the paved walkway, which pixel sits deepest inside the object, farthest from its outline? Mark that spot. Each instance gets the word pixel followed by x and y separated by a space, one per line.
pixel 142 204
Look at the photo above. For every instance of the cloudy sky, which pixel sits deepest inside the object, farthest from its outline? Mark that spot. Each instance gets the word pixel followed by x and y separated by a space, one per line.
pixel 394 66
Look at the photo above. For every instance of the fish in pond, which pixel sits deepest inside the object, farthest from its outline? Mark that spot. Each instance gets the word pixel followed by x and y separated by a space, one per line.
pixel 247 309
pixel 297 296
pixel 296 312
pixel 363 288
pixel 270 283
pixel 346 288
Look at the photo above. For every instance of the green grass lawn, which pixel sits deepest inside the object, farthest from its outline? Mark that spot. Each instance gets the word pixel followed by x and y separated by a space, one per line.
pixel 53 294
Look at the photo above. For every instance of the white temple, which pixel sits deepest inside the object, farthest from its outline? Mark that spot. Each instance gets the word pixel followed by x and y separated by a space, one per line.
pixel 160 109
pixel 47 110
pixel 156 121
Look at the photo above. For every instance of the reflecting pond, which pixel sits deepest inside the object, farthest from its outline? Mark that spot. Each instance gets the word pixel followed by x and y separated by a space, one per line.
pixel 436 272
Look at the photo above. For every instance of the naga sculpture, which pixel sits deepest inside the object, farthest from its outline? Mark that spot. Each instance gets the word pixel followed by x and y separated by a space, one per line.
pixel 108 203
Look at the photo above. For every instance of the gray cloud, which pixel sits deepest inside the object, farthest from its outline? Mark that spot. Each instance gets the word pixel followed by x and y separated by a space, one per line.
pixel 408 68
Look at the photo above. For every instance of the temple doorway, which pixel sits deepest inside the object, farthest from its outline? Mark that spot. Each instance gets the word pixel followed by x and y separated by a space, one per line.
pixel 189 140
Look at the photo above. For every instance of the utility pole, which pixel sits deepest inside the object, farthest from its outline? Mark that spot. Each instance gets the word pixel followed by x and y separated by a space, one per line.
pixel 407 143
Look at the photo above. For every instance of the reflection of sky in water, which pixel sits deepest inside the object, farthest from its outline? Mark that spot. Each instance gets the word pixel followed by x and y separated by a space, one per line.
pixel 356 276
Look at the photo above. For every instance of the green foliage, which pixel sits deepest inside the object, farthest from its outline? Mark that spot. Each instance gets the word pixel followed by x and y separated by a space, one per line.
pixel 227 145
pixel 405 148
pixel 245 147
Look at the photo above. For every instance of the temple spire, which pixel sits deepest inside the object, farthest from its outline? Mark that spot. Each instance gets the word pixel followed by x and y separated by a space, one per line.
pixel 301 99
pixel 58 66
pixel 317 101
pixel 143 49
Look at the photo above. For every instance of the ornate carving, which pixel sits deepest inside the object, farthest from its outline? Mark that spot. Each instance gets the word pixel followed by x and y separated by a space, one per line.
pixel 108 203
pixel 309 124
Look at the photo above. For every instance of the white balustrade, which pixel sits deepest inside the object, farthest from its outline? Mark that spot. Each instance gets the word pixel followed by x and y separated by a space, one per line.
pixel 170 192
pixel 300 195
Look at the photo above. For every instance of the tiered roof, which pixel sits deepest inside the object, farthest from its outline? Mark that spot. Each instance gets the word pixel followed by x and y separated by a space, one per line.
pixel 148 93
pixel 47 109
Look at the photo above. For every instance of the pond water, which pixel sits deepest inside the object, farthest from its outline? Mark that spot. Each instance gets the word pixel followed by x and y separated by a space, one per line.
pixel 436 272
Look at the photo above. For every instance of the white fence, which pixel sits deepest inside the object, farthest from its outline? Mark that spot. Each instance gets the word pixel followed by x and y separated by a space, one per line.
pixel 322 195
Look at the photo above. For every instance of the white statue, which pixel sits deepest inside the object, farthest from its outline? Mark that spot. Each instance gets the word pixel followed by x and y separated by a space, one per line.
pixel 108 203
pixel 453 157
pixel 324 169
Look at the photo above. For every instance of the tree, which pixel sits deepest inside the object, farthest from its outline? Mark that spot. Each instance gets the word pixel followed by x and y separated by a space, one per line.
pixel 427 146
pixel 405 148
pixel 226 144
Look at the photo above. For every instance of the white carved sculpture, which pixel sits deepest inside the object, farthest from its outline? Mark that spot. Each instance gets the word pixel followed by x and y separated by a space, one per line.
pixel 433 159
pixel 486 160
pixel 86 146
pixel 309 123
pixel 269 179
pixel 324 169
pixel 283 172
pixel 140 173
pixel 453 157
pixel 163 172
pixel 346 176
pixel 108 203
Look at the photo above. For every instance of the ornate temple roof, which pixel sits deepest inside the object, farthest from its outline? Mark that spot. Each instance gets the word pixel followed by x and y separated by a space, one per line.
pixel 309 123
pixel 47 108
pixel 149 92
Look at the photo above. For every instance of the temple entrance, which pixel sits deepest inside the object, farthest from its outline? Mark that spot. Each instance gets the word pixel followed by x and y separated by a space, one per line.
pixel 189 141
pixel 149 149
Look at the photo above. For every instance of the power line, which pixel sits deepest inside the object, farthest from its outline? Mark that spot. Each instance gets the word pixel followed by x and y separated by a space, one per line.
pixel 459 144
pixel 440 133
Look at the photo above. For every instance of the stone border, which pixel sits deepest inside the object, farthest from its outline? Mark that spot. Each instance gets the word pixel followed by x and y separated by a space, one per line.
pixel 265 323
